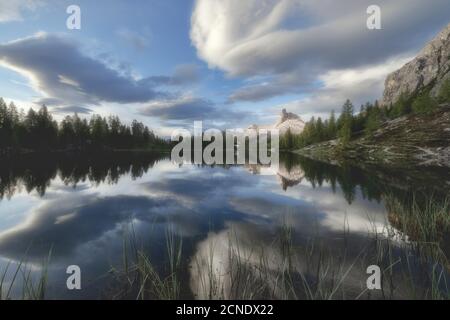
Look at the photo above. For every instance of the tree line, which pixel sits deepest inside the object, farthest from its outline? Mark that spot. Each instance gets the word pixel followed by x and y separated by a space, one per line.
pixel 364 123
pixel 38 131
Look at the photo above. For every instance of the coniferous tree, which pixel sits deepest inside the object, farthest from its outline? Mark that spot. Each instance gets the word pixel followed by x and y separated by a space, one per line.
pixel 444 92
pixel 401 107
pixel 346 122
pixel 424 104
pixel 37 130
pixel 320 130
pixel 332 126
pixel 373 121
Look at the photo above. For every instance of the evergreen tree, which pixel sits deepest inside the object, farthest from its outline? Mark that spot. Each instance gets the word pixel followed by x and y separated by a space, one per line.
pixel 66 134
pixel 98 130
pixel 424 104
pixel 5 125
pixel 320 130
pixel 373 121
pixel 346 122
pixel 401 107
pixel 37 130
pixel 332 126
pixel 444 92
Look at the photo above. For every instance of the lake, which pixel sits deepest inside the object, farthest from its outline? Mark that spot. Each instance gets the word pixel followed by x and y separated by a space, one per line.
pixel 141 226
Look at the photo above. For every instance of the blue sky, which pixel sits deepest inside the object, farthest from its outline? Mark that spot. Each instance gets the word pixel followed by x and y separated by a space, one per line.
pixel 229 63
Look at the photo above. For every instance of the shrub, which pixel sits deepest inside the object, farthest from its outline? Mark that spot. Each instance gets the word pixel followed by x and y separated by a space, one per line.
pixel 400 107
pixel 444 92
pixel 424 104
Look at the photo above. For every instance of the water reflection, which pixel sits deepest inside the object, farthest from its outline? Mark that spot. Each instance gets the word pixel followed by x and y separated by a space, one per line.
pixel 312 221
pixel 34 172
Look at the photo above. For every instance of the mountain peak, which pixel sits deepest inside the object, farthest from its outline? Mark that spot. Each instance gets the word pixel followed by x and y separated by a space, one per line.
pixel 287 115
pixel 288 121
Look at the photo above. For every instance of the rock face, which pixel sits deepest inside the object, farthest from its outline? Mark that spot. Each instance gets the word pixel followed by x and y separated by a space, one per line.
pixel 288 121
pixel 429 69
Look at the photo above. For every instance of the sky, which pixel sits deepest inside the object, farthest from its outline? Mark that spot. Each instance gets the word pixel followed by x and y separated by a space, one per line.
pixel 228 63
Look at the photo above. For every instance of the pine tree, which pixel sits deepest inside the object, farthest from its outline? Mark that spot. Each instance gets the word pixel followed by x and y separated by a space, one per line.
pixel 4 125
pixel 37 130
pixel 444 92
pixel 332 127
pixel 320 130
pixel 372 122
pixel 401 107
pixel 424 104
pixel 346 122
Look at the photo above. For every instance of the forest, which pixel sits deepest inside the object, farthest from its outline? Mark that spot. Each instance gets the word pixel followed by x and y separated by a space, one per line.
pixel 39 131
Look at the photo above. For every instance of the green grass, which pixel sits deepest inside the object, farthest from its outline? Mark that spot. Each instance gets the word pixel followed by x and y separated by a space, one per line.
pixel 421 220
pixel 139 278
pixel 32 288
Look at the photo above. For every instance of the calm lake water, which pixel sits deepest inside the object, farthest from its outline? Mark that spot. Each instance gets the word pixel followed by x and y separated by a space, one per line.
pixel 309 230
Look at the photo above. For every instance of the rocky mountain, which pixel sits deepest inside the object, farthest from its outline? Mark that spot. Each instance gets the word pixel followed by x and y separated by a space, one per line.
pixel 413 140
pixel 288 121
pixel 427 71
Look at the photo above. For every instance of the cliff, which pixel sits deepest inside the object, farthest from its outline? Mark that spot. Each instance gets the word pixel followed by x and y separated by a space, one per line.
pixel 428 70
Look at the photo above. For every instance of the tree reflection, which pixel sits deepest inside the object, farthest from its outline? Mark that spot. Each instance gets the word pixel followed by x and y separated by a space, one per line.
pixel 34 172
pixel 373 182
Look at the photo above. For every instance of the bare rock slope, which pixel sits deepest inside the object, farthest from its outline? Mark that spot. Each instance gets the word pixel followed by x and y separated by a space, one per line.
pixel 428 70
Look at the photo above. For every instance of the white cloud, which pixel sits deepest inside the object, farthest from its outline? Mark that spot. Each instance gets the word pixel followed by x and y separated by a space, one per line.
pixel 188 108
pixel 336 79
pixel 225 31
pixel 359 85
pixel 11 10
pixel 294 41
pixel 58 69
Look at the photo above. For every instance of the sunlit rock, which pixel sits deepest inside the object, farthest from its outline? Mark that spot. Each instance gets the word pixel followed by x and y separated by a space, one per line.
pixel 428 70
